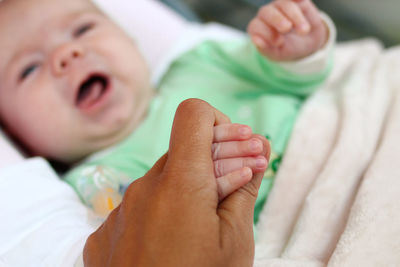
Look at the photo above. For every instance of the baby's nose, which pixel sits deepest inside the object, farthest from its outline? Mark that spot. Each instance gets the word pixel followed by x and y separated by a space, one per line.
pixel 64 56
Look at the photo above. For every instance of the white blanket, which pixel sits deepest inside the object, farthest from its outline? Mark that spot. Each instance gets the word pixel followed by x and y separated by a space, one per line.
pixel 336 199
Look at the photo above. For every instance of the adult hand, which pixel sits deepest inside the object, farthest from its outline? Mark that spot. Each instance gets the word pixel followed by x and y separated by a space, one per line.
pixel 171 216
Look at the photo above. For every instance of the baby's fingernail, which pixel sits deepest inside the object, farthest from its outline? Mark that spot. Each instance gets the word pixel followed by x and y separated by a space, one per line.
pixel 259 42
pixel 261 162
pixel 244 131
pixel 255 145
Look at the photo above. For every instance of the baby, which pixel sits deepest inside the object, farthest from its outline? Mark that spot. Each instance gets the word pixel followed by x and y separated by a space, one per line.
pixel 74 84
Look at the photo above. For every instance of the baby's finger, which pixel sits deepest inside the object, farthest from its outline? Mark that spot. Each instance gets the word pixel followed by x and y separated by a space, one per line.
pixel 294 13
pixel 263 35
pixel 231 182
pixel 231 132
pixel 310 12
pixel 266 152
pixel 273 17
pixel 224 166
pixel 235 149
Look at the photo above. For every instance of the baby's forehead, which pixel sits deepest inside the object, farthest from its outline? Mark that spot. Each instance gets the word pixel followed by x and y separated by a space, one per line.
pixel 27 12
pixel 24 21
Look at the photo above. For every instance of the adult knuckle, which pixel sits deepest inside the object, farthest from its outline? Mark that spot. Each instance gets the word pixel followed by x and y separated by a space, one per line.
pixel 133 188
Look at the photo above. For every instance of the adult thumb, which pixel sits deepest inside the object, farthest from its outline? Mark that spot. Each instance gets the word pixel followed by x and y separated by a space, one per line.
pixel 238 208
pixel 236 214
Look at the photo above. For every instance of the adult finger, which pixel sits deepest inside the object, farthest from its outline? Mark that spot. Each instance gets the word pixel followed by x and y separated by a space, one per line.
pixel 190 147
pixel 193 131
pixel 236 213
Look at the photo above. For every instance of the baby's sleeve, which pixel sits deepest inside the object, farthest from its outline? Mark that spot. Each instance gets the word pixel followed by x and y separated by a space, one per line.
pixel 318 61
pixel 299 78
pixel 99 187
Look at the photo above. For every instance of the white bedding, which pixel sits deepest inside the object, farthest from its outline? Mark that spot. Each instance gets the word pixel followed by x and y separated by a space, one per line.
pixel 43 221
pixel 335 201
pixel 44 224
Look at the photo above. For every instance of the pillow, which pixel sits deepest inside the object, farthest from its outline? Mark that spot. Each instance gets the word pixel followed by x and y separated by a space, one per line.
pixel 154 27
pixel 8 153
pixel 160 39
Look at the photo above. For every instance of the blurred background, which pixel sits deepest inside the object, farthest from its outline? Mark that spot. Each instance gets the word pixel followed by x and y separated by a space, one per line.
pixel 354 18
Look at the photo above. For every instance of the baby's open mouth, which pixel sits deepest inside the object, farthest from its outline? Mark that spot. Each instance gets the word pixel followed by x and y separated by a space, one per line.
pixel 91 90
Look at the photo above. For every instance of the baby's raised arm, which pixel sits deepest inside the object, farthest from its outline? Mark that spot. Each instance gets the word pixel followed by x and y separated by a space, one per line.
pixel 286 30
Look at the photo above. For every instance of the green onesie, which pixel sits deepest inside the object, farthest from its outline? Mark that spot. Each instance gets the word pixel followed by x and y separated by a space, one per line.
pixel 231 76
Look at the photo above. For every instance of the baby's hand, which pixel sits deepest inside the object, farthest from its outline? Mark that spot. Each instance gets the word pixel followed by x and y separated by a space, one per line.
pixel 287 30
pixel 237 154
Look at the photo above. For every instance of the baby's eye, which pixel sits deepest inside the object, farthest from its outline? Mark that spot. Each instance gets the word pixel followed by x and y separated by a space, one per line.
pixel 28 71
pixel 83 29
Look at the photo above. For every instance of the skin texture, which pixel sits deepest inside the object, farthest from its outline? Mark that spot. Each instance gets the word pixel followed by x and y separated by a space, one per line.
pixel 286 30
pixel 43 65
pixel 236 151
pixel 46 62
pixel 178 205
pixel 187 214
pixel 183 216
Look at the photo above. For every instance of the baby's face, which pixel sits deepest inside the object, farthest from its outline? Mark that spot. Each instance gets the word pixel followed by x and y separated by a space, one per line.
pixel 71 82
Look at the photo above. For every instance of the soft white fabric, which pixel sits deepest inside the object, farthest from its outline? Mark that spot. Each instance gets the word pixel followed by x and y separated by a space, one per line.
pixel 154 27
pixel 8 153
pixel 318 60
pixel 43 222
pixel 336 201
pixel 307 221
